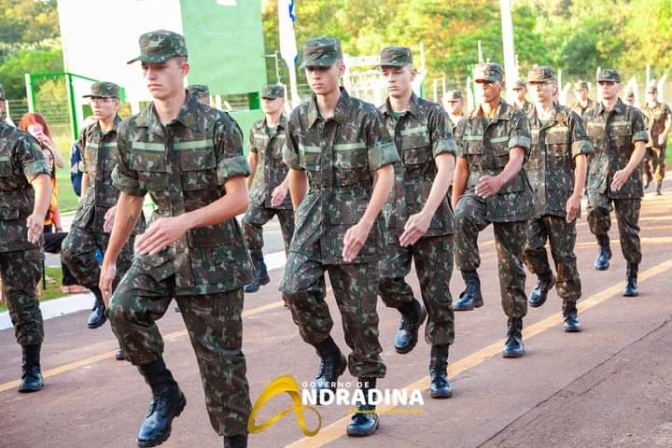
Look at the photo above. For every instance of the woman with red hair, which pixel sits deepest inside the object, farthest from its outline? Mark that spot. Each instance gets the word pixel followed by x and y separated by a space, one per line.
pixel 36 126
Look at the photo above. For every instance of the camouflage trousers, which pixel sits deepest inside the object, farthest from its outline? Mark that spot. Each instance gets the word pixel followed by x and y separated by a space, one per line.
pixel 561 236
pixel 78 253
pixel 215 327
pixel 627 217
pixel 257 216
pixel 433 257
pixel 470 220
pixel 355 290
pixel 20 272
pixel 653 164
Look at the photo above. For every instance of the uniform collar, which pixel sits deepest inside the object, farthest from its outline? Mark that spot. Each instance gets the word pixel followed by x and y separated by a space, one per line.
pixel 340 113
pixel 413 106
pixel 619 108
pixel 115 125
pixel 261 124
pixel 189 115
pixel 504 111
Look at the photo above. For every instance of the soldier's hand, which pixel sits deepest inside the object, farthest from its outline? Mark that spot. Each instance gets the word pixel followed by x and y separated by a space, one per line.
pixel 161 233
pixel 109 219
pixel 620 178
pixel 108 272
pixel 35 225
pixel 487 186
pixel 354 240
pixel 414 229
pixel 661 140
pixel 279 194
pixel 573 207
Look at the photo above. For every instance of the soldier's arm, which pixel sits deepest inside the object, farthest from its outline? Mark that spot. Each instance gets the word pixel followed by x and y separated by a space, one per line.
pixel 297 178
pixel 580 148
pixel 668 123
pixel 85 185
pixel 639 140
pixel 28 155
pixel 253 161
pixel 461 174
pixel 35 222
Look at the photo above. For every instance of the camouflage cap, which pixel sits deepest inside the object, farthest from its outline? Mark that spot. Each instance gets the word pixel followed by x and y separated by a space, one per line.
pixel 581 85
pixel 321 52
pixel 199 90
pixel 609 74
pixel 652 86
pixel 541 74
pixel 395 57
pixel 520 85
pixel 453 95
pixel 2 92
pixel 273 91
pixel 103 90
pixel 630 94
pixel 159 46
pixel 490 71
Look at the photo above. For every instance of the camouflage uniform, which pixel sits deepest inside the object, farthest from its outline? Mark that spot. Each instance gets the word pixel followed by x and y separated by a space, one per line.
pixel 453 96
pixel 21 161
pixel 200 91
pixel 420 135
pixel 556 142
pixel 183 166
pixel 576 106
pixel 656 117
pixel 526 107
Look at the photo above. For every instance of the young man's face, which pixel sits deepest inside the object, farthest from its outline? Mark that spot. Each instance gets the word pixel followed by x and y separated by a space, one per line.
pixel 608 90
pixel 454 107
pixel 520 93
pixel 166 79
pixel 324 80
pixel 651 96
pixel 103 108
pixel 398 80
pixel 488 91
pixel 272 105
pixel 542 91
pixel 581 94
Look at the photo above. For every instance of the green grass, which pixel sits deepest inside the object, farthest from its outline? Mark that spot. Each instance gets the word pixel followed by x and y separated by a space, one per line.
pixel 53 291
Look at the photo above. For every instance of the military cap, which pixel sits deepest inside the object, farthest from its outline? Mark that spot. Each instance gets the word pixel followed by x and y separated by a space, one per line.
pixel 652 86
pixel 453 95
pixel 395 57
pixel 490 71
pixel 519 85
pixel 273 91
pixel 321 52
pixel 103 90
pixel 199 90
pixel 609 74
pixel 159 46
pixel 630 94
pixel 541 74
pixel 581 85
pixel 2 92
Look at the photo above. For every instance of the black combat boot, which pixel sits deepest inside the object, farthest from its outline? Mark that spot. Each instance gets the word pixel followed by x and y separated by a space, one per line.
pixel 332 365
pixel 365 421
pixel 239 441
pixel 604 255
pixel 412 316
pixel 659 189
pixel 440 386
pixel 471 297
pixel 260 272
pixel 571 314
pixel 97 316
pixel 31 379
pixel 513 347
pixel 631 289
pixel 168 401
pixel 540 292
pixel 119 355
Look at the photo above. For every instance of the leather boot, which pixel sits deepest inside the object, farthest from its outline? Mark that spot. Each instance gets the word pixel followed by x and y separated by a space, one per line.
pixel 659 189
pixel 631 289
pixel 97 316
pixel 365 421
pixel 31 379
pixel 471 297
pixel 540 292
pixel 513 347
pixel 239 441
pixel 604 255
pixel 440 386
pixel 119 355
pixel 167 403
pixel 571 314
pixel 332 365
pixel 260 272
pixel 412 316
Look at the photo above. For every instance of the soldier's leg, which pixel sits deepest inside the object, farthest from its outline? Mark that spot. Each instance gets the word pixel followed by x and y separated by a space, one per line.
pixel 627 216
pixel 536 260
pixel 647 162
pixel 252 223
pixel 470 220
pixel 599 222
pixel 286 218
pixel 78 253
pixel 659 168
pixel 215 326
pixel 562 237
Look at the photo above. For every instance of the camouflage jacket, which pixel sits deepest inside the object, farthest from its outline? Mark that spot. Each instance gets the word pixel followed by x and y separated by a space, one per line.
pixel 420 135
pixel 655 121
pixel 340 156
pixel 485 144
pixel 271 170
pixel 613 135
pixel 580 110
pixel 21 161
pixel 550 166
pixel 454 121
pixel 527 107
pixel 98 160
pixel 184 166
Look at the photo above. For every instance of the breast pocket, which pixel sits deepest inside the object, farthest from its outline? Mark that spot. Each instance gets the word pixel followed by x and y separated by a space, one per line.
pixel 151 166
pixel 351 164
pixel 198 169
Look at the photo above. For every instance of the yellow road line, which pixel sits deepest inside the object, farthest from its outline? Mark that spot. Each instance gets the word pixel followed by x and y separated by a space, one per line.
pixel 337 429
pixel 645 240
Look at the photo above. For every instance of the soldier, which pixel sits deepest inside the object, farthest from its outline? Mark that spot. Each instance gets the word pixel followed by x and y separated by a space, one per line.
pixel 201 92
pixel 557 169
pixel 521 102
pixel 269 196
pixel 337 146
pixel 658 121
pixel 25 193
pixel 583 103
pixel 453 102
pixel 189 157
pixel 91 225
pixel 418 217
pixel 630 98
pixel 619 138
pixel 490 186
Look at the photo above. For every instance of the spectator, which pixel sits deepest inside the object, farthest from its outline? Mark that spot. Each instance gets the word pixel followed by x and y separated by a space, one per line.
pixel 35 124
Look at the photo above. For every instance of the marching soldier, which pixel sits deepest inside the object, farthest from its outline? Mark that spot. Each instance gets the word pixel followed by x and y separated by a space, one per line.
pixel 201 92
pixel 453 102
pixel 521 102
pixel 658 120
pixel 583 103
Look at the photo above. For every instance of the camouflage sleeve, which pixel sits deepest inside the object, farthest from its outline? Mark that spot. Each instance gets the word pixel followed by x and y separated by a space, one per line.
pixel 639 132
pixel 519 134
pixel 579 138
pixel 82 150
pixel 229 150
pixel 252 147
pixel 459 132
pixel 441 132
pixel 30 158
pixel 382 150
pixel 123 177
pixel 290 151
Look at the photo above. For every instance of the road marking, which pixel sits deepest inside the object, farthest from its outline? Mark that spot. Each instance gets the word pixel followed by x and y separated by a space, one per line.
pixel 616 242
pixel 337 429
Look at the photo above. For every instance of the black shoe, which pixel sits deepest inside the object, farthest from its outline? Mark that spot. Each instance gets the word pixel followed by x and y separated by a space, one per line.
pixel 659 189
pixel 603 256
pixel 440 386
pixel 471 297
pixel 572 323
pixel 260 273
pixel 119 355
pixel 239 441
pixel 539 294
pixel 332 366
pixel 98 315
pixel 31 379
pixel 513 347
pixel 176 308
pixel 407 334
pixel 365 421
pixel 647 183
pixel 631 289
